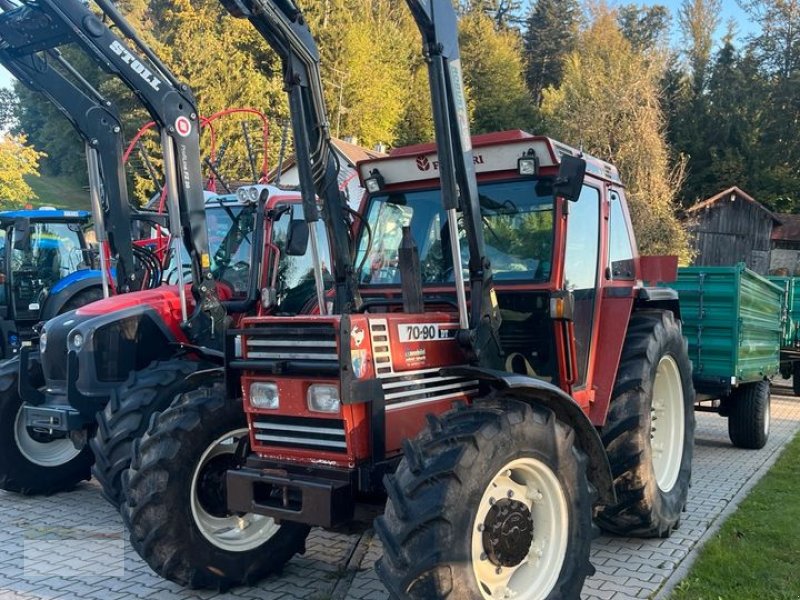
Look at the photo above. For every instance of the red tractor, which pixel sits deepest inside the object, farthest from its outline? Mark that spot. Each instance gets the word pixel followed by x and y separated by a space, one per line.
pixel 497 422
pixel 145 346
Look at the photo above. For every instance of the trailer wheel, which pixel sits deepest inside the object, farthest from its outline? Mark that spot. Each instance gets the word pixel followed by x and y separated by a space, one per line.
pixel 796 377
pixel 34 463
pixel 127 416
pixel 749 418
pixel 489 502
pixel 175 503
pixel 649 432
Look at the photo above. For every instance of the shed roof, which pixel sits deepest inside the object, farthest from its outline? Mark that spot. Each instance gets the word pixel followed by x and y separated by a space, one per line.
pixel 733 192
pixel 789 229
pixel 351 152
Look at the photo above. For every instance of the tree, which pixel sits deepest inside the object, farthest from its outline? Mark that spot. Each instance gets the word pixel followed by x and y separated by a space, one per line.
pixel 608 103
pixel 17 160
pixel 494 75
pixel 699 20
pixel 552 30
pixel 778 43
pixel 644 27
pixel 506 13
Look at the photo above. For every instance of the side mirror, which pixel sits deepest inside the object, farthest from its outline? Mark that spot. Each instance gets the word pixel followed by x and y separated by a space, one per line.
pixel 570 178
pixel 22 233
pixel 297 238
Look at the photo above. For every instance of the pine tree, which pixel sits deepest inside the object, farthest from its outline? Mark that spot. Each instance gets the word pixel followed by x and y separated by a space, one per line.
pixel 645 27
pixel 551 33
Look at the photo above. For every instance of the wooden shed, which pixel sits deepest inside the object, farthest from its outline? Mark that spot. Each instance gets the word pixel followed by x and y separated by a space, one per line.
pixel 732 227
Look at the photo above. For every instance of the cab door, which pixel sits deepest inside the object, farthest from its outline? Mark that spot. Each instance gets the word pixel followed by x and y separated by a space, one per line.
pixel 581 275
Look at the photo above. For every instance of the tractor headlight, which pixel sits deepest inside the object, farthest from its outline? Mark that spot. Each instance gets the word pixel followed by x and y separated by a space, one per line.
pixel 252 194
pixel 264 395
pixel 241 195
pixel 323 398
pixel 77 341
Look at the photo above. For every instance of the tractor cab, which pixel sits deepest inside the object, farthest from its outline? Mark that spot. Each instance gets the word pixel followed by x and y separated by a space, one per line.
pixel 553 282
pixel 45 253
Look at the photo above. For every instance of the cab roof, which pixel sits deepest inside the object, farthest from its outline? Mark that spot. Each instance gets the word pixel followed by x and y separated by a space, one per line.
pixel 492 152
pixel 46 215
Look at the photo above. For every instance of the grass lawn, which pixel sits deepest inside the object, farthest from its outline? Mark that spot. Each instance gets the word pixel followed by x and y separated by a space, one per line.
pixel 756 554
pixel 61 192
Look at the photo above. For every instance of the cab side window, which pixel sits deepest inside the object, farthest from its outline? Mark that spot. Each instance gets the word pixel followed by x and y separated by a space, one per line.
pixel 620 247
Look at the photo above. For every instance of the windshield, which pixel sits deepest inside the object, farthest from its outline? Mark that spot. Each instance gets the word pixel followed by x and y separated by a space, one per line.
pixel 294 282
pixel 49 252
pixel 230 233
pixel 517 221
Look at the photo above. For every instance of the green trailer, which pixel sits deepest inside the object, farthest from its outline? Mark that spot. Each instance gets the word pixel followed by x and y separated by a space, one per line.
pixel 790 335
pixel 732 319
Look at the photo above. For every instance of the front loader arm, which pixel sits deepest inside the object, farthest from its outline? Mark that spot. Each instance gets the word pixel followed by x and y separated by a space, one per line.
pixel 281 24
pixel 438 24
pixel 98 124
pixel 47 24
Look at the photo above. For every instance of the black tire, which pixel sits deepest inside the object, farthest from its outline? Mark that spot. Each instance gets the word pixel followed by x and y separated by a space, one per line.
pixel 82 298
pixel 127 416
pixel 796 377
pixel 439 487
pixel 18 472
pixel 643 508
pixel 749 415
pixel 157 508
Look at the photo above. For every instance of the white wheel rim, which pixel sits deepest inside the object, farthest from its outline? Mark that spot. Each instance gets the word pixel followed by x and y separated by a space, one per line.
pixel 534 484
pixel 44 454
pixel 234 533
pixel 667 423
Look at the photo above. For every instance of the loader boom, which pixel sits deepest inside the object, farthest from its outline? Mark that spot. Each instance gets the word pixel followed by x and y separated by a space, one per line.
pixel 98 124
pixel 47 24
pixel 282 25
pixel 438 24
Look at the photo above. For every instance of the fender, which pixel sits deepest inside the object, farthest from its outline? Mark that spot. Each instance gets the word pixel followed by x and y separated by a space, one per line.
pixel 661 298
pixel 535 391
pixel 67 288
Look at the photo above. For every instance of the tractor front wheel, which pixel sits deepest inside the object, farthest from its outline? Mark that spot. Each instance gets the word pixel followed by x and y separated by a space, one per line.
pixel 749 418
pixel 649 432
pixel 489 502
pixel 34 462
pixel 127 416
pixel 175 503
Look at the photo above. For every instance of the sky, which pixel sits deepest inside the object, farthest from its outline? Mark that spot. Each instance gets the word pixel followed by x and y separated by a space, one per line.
pixel 730 10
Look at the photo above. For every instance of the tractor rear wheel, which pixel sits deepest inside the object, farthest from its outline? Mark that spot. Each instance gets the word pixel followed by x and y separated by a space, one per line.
pixel 489 502
pixel 127 416
pixel 749 418
pixel 649 432
pixel 87 296
pixel 34 462
pixel 175 504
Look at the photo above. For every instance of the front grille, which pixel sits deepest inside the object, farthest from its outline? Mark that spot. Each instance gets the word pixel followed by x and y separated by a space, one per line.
pixel 54 353
pixel 292 343
pixel 300 432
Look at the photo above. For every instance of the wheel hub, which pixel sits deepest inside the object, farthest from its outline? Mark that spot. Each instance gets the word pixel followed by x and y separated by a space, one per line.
pixel 508 532
pixel 211 485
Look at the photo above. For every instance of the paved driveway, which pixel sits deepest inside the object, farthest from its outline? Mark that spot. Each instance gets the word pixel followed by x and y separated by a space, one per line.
pixel 73 545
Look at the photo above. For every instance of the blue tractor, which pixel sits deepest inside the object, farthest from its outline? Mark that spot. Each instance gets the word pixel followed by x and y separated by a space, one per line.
pixel 47 267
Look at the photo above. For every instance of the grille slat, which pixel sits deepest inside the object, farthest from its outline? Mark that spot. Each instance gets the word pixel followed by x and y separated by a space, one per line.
pixel 298 343
pixel 301 433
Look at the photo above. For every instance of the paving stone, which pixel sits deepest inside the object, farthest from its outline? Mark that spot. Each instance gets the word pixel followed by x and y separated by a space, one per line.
pixel 627 568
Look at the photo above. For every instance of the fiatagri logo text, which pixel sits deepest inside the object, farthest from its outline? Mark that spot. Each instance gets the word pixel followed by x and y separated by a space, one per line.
pixel 426 164
pixel 143 72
